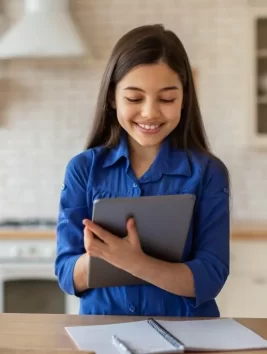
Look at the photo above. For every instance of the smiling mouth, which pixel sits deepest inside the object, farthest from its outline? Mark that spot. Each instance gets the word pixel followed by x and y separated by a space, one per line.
pixel 149 126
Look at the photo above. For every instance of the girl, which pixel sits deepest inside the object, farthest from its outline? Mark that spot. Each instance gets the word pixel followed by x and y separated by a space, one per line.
pixel 147 139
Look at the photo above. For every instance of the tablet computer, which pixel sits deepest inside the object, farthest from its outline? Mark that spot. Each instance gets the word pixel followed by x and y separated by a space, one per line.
pixel 162 223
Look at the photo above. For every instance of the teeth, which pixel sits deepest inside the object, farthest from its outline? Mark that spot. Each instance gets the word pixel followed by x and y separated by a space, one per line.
pixel 148 127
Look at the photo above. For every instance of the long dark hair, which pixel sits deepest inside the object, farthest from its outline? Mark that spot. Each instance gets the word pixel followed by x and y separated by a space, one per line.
pixel 146 45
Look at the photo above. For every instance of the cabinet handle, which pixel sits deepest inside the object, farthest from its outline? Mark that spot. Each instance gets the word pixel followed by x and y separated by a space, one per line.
pixel 259 281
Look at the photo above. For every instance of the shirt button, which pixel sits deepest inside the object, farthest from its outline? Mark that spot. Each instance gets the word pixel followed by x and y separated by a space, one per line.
pixel 134 185
pixel 62 186
pixel 132 308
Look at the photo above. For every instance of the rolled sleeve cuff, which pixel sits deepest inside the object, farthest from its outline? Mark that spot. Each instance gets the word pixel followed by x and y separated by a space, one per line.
pixel 208 281
pixel 65 275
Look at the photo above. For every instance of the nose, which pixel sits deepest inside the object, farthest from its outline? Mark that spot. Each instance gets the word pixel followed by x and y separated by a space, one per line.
pixel 150 110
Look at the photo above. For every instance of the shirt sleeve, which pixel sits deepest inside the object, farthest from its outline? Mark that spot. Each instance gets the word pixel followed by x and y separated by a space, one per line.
pixel 210 261
pixel 73 208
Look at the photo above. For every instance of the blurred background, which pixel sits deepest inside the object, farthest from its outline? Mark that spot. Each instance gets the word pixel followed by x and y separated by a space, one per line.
pixel 52 56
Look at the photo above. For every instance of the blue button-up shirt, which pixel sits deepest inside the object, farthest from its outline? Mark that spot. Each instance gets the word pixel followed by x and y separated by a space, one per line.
pixel 106 173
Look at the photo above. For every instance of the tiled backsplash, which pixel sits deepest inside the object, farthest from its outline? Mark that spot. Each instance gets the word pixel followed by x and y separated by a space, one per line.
pixel 46 105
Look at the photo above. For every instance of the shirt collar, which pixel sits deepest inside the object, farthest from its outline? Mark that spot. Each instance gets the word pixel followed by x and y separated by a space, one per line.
pixel 118 152
pixel 173 161
pixel 169 161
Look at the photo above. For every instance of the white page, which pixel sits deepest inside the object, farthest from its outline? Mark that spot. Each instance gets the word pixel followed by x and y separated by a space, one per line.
pixel 214 335
pixel 139 336
pixel 200 335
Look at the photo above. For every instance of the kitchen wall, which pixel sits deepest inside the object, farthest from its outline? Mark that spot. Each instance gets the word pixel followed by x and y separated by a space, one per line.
pixel 46 106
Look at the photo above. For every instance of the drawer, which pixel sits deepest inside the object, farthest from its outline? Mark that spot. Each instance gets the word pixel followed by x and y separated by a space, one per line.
pixel 248 257
pixel 244 296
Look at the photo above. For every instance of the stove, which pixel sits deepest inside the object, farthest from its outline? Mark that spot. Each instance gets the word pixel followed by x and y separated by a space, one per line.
pixel 38 224
pixel 27 251
pixel 26 262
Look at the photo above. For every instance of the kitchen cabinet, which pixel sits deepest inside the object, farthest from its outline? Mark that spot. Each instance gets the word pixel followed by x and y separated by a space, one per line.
pixel 27 259
pixel 244 296
pixel 245 292
pixel 257 75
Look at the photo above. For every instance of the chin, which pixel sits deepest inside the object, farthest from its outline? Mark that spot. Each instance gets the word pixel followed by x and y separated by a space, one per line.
pixel 149 142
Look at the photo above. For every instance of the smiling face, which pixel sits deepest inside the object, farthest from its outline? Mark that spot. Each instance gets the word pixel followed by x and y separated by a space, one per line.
pixel 148 100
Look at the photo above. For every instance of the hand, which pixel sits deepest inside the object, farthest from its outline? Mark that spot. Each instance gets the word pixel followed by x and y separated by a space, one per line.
pixel 121 252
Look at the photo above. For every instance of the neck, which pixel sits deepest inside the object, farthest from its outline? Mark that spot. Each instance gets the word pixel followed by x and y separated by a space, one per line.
pixel 141 153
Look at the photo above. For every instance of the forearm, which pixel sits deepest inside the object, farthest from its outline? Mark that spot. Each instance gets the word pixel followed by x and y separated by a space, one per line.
pixel 80 273
pixel 176 278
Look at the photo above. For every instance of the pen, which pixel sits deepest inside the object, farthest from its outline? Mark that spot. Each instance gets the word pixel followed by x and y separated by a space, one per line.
pixel 167 335
pixel 120 345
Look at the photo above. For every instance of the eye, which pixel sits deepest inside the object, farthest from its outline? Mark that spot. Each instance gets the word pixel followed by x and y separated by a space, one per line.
pixel 137 100
pixel 167 101
pixel 133 100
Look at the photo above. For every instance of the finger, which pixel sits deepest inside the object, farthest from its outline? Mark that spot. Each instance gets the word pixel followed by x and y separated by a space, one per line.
pixel 103 234
pixel 88 238
pixel 95 252
pixel 86 222
pixel 132 231
pixel 96 247
pixel 93 246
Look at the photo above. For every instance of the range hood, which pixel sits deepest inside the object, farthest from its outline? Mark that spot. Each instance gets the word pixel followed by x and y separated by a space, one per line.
pixel 45 30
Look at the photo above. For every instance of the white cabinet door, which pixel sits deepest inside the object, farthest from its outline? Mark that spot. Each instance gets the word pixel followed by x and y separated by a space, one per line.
pixel 244 296
pixel 257 49
pixel 72 304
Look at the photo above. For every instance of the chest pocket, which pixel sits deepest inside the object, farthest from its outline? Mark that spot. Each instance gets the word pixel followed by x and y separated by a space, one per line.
pixel 171 185
pixel 101 194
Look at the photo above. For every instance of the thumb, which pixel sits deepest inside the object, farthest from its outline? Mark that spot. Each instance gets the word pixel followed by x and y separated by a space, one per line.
pixel 85 222
pixel 132 231
pixel 88 238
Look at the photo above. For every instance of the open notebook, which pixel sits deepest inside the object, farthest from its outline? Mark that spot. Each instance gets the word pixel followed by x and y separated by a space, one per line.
pixel 142 337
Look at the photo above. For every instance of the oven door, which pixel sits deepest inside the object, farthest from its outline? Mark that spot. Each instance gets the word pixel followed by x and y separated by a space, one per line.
pixel 32 287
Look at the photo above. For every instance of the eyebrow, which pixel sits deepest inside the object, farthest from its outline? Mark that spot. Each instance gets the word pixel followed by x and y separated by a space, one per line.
pixel 168 88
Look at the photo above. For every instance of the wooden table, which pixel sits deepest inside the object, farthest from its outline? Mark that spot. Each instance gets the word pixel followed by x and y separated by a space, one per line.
pixel 47 331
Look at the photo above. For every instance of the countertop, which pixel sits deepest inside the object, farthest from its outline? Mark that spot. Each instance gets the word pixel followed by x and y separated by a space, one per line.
pixel 240 230
pixel 249 230
pixel 46 332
